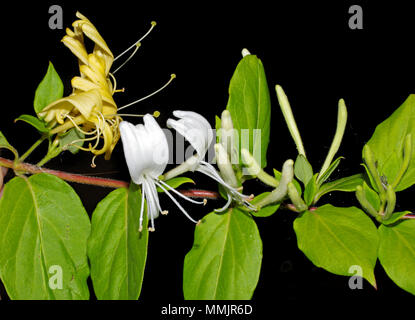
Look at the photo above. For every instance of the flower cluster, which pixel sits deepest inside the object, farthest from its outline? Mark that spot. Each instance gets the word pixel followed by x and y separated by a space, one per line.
pixel 146 152
pixel 90 107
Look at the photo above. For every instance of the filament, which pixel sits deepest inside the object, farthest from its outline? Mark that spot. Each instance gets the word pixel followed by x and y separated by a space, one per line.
pixel 179 194
pixel 226 206
pixel 137 45
pixel 151 94
pixel 153 24
pixel 76 126
pixel 142 209
pixel 176 203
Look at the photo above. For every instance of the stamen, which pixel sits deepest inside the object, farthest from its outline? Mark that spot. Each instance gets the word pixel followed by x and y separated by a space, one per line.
pixel 76 126
pixel 153 24
pixel 114 85
pixel 142 209
pixel 172 76
pixel 125 115
pixel 178 193
pixel 177 203
pixel 210 171
pixel 226 206
pixel 93 165
pixel 137 45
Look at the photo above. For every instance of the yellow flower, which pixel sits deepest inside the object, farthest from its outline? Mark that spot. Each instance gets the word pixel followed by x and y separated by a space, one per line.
pixel 91 107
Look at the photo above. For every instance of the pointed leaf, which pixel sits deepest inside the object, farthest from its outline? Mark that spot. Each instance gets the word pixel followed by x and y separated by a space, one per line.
pixel 176 182
pixel 395 217
pixel 43 233
pixel 4 144
pixel 116 249
pixel 310 190
pixel 250 106
pixel 38 124
pixel 388 141
pixel 397 253
pixel 49 90
pixel 337 238
pixel 329 171
pixel 302 169
pixel 225 260
pixel 347 184
pixel 265 211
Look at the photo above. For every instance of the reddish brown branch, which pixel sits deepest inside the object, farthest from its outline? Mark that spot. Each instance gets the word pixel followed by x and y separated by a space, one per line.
pixel 91 180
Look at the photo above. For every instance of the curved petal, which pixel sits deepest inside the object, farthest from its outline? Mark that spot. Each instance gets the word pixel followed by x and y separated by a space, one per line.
pixel 195 128
pixel 145 149
pixel 76 47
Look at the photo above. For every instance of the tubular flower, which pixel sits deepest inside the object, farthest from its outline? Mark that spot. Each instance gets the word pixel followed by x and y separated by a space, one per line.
pixel 147 152
pixel 197 130
pixel 91 107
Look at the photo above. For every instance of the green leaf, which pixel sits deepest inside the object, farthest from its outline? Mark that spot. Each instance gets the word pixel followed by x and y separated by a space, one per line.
pixel 329 171
pixel 302 169
pixel 4 144
pixel 49 90
pixel 388 141
pixel 70 140
pixel 38 124
pixel 397 253
pixel 225 260
pixel 395 217
pixel 44 230
pixel 116 249
pixel 371 196
pixel 310 190
pixel 250 106
pixel 337 238
pixel 347 184
pixel 176 182
pixel 265 211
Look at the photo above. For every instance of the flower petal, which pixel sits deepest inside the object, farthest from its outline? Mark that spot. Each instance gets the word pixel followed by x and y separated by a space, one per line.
pixel 195 128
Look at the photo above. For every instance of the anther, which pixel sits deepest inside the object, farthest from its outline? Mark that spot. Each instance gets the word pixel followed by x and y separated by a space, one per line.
pixel 153 24
pixel 93 165
pixel 164 212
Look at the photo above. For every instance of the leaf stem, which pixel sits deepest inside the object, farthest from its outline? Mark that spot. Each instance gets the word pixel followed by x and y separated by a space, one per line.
pixel 31 149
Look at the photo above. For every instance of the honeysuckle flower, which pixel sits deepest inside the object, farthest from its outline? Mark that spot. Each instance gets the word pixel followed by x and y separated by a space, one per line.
pixel 197 130
pixel 91 107
pixel 147 152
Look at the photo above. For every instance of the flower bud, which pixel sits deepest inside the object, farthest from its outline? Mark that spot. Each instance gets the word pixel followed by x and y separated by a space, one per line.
pixel 225 166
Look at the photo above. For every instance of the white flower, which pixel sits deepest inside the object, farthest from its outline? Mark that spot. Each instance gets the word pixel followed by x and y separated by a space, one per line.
pixel 147 152
pixel 197 130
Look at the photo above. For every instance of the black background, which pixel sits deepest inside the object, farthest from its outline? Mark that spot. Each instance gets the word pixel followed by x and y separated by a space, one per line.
pixel 307 47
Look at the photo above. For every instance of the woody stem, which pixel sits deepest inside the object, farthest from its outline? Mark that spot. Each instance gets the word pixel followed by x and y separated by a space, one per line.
pixel 96 181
